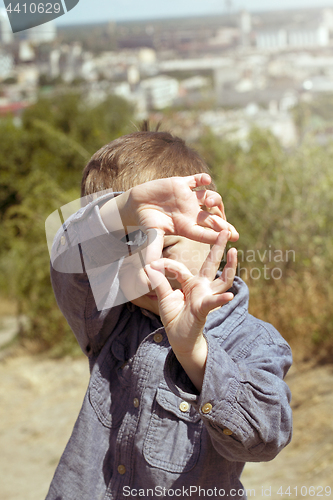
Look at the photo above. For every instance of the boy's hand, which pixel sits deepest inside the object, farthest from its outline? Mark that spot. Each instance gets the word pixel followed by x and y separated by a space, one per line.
pixel 169 206
pixel 184 312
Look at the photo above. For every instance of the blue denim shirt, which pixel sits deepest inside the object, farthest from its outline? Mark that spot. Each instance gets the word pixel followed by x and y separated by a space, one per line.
pixel 144 430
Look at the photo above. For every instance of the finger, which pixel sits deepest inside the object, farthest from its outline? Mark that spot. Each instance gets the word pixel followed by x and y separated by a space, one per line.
pixel 211 302
pixel 155 242
pixel 213 260
pixel 200 233
pixel 158 281
pixel 215 209
pixel 215 222
pixel 198 180
pixel 225 281
pixel 234 234
pixel 211 199
pixel 208 197
pixel 180 272
pixel 229 271
pixel 212 202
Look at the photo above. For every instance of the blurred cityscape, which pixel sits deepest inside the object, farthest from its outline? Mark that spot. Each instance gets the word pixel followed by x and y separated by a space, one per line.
pixel 228 73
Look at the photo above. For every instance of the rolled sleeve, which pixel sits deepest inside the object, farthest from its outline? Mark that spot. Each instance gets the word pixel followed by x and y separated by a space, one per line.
pixel 85 263
pixel 244 402
pixel 84 243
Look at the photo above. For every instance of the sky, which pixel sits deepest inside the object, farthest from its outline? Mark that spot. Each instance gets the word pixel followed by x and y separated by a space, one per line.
pixel 88 11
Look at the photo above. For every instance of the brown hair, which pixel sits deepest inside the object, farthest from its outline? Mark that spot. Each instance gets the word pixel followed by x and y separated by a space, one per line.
pixel 140 157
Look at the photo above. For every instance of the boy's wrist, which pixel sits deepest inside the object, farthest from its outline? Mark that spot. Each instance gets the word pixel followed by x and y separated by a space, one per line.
pixel 194 361
pixel 116 213
pixel 126 210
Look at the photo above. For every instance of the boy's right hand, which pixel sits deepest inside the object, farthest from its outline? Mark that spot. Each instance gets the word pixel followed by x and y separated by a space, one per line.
pixel 170 206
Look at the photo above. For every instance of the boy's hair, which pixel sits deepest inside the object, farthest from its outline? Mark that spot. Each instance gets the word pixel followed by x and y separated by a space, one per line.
pixel 140 157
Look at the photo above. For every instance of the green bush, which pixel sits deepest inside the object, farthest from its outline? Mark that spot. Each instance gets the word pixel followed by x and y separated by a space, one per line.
pixel 280 202
pixel 40 170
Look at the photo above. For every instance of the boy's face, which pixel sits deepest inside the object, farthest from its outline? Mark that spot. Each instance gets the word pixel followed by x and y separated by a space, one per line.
pixel 181 249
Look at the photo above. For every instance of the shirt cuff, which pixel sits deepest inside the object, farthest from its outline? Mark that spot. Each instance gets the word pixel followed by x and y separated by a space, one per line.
pixel 83 242
pixel 216 403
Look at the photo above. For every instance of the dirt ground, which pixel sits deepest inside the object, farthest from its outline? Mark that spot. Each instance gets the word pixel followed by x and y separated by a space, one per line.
pixel 40 399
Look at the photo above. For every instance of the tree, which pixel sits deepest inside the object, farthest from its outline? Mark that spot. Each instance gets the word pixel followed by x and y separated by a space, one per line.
pixel 40 170
pixel 281 205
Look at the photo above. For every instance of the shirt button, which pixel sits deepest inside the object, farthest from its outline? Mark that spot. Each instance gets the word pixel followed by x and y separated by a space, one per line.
pixel 121 469
pixel 136 402
pixel 206 408
pixel 184 406
pixel 227 432
pixel 62 240
pixel 158 337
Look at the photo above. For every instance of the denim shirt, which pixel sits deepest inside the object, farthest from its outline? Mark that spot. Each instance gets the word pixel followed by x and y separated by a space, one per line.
pixel 143 429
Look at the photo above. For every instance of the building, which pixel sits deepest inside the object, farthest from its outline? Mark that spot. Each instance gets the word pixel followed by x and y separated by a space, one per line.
pixel 236 125
pixel 6 65
pixel 272 39
pixel 44 33
pixel 308 35
pixel 54 58
pixel 160 91
pixel 71 61
pixel 245 22
pixel 312 35
pixel 6 34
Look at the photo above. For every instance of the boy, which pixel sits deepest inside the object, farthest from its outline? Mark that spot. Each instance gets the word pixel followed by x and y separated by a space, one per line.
pixel 183 391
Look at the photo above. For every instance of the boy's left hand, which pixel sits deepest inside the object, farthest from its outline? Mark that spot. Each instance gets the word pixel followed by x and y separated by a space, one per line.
pixel 184 312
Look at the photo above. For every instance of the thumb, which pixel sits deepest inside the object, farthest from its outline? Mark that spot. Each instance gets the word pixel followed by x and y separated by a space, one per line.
pixel 158 280
pixel 155 242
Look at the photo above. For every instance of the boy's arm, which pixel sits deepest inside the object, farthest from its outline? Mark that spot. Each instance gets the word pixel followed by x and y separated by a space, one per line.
pixel 184 312
pixel 244 402
pixel 170 206
pixel 84 253
pixel 242 398
pixel 86 258
pixel 88 254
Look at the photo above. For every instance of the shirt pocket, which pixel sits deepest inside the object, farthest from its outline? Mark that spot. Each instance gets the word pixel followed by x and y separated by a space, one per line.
pixel 109 392
pixel 173 439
